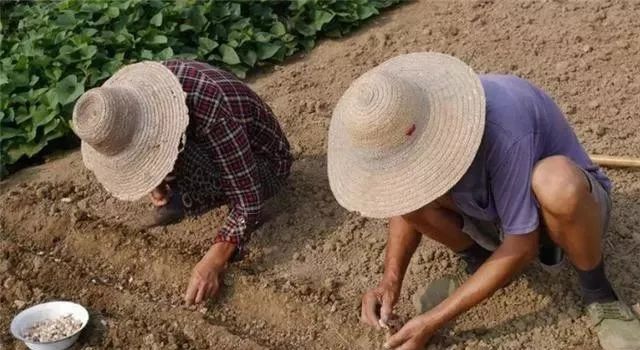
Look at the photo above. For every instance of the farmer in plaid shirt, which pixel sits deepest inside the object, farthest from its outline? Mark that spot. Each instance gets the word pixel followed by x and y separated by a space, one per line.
pixel 216 143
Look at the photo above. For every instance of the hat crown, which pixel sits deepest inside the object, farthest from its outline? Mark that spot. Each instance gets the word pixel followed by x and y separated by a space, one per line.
pixel 106 118
pixel 382 111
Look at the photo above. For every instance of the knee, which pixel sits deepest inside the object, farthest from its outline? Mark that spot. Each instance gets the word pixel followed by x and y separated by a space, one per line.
pixel 427 215
pixel 559 185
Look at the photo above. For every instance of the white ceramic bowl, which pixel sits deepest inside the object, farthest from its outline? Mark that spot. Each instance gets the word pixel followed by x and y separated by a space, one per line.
pixel 51 310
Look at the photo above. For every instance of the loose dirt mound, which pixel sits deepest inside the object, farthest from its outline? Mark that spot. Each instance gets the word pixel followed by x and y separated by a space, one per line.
pixel 62 237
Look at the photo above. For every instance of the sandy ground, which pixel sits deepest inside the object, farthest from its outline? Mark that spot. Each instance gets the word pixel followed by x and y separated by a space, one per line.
pixel 300 286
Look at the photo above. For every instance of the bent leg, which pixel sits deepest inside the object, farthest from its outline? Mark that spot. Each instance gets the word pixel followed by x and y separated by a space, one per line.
pixel 570 212
pixel 441 225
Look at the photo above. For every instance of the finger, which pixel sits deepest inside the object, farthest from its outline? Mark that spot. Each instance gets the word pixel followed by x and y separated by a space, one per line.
pixel 369 314
pixel 158 200
pixel 202 290
pixel 386 310
pixel 398 338
pixel 409 345
pixel 190 295
pixel 213 290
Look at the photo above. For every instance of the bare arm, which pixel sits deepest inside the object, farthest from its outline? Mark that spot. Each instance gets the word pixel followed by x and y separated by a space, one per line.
pixel 516 252
pixel 510 258
pixel 401 244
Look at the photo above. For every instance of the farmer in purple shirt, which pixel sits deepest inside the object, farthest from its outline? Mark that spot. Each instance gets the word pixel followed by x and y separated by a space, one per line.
pixel 486 165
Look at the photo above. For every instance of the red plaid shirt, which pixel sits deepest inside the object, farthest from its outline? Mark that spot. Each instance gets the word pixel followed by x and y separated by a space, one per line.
pixel 235 152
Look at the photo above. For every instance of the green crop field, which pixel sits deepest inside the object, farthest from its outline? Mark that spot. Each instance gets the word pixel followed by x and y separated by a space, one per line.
pixel 52 51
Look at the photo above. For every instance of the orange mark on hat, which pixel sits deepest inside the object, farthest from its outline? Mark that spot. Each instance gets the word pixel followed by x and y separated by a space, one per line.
pixel 411 130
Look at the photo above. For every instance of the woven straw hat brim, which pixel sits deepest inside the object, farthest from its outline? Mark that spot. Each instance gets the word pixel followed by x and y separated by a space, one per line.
pixel 154 147
pixel 447 139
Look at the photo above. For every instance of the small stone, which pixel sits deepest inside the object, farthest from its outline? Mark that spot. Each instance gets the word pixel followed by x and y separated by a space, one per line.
pixel 600 130
pixel 53 210
pixel 622 44
pixel 42 193
pixel 82 204
pixel 296 150
pixel 5 265
pixel 593 104
pixel 587 48
pixel 329 284
pixel 9 282
pixel 444 263
pixel 562 67
pixel 452 31
pixel 19 304
pixel 148 339
pixel 572 109
pixel 78 215
pixel 65 200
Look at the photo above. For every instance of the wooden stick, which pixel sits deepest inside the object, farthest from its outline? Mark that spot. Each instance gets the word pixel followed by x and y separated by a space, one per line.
pixel 616 162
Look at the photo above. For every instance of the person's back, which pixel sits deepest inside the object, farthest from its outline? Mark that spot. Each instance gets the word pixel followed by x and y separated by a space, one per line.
pixel 523 126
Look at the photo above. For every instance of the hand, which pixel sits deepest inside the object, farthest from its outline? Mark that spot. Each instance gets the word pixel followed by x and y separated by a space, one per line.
pixel 381 299
pixel 160 195
pixel 412 336
pixel 204 282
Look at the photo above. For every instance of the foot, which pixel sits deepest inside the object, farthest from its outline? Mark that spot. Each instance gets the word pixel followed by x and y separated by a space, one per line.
pixel 428 297
pixel 171 213
pixel 617 326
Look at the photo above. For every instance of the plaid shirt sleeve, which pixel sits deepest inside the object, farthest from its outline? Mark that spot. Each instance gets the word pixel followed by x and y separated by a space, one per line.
pixel 239 179
pixel 232 124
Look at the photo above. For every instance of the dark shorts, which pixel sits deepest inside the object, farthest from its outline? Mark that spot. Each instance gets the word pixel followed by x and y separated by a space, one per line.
pixel 489 234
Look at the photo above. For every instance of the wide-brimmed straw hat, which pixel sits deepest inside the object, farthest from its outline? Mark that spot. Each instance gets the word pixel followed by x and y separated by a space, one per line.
pixel 404 133
pixel 131 128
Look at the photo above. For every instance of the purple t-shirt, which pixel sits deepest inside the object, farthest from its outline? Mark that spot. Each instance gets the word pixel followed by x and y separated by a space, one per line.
pixel 523 126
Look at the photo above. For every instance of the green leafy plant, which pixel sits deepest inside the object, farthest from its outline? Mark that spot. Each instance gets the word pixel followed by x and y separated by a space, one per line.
pixel 52 51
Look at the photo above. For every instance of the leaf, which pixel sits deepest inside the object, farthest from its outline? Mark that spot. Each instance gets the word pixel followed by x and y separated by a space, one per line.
pixel 156 20
pixel 165 54
pixel 249 57
pixel 278 29
pixel 239 71
pixel 308 44
pixel 146 54
pixel 159 39
pixel 305 29
pixel 321 18
pixel 51 126
pixel 229 55
pixel 69 89
pixel 366 11
pixel 206 45
pixel 113 12
pixel 266 50
pixel 66 20
pixel 263 37
pixel 88 52
pixel 91 8
pixel 7 133
pixel 185 27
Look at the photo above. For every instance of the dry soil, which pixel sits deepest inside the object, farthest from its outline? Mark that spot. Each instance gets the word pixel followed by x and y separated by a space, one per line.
pixel 63 237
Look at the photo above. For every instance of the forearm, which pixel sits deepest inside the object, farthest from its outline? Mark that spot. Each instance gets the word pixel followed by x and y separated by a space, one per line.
pixel 220 253
pixel 503 265
pixel 401 244
pixel 238 226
